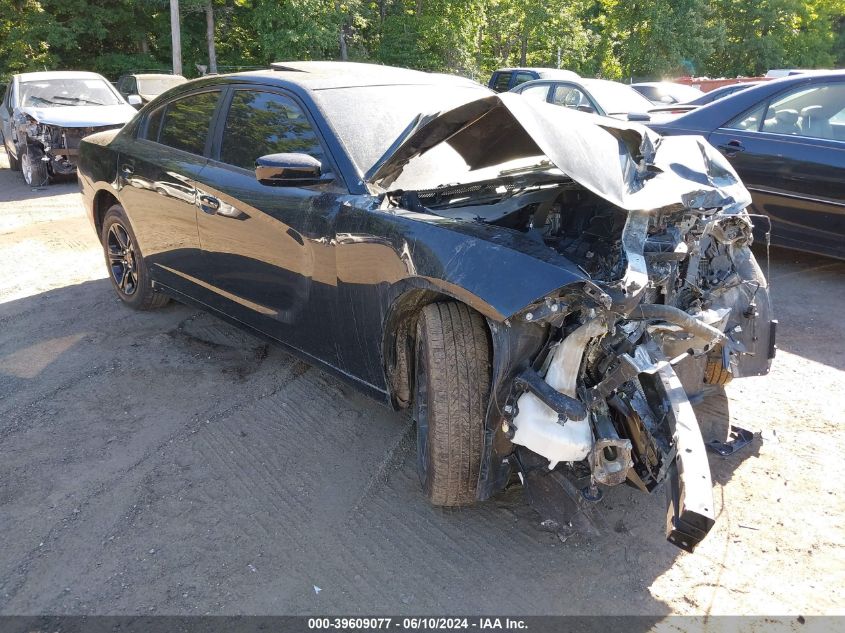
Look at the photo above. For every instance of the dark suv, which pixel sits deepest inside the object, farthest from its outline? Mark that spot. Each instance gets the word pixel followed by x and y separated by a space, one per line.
pixel 506 79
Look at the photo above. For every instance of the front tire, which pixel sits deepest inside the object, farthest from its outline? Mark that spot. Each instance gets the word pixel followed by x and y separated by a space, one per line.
pixel 34 169
pixel 451 393
pixel 128 271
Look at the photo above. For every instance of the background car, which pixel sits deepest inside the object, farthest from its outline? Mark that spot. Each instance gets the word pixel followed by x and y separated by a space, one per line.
pixel 598 96
pixel 705 98
pixel 140 88
pixel 506 79
pixel 786 140
pixel 44 116
pixel 666 92
pixel 722 91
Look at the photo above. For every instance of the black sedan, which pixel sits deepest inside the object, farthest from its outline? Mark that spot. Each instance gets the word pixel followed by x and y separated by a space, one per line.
pixel 515 273
pixel 786 140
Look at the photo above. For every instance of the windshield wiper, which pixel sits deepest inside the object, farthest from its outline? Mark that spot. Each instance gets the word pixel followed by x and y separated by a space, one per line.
pixel 43 100
pixel 77 99
pixel 543 165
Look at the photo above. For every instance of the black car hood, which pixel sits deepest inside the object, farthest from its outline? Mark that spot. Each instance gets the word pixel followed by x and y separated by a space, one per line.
pixel 627 164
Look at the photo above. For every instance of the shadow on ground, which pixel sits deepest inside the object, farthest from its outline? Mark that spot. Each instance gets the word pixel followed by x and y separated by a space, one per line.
pixel 163 462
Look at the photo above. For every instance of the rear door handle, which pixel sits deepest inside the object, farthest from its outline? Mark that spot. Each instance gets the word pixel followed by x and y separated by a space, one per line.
pixel 732 147
pixel 209 204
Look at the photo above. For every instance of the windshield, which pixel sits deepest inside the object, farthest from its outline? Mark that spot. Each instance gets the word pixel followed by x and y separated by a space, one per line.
pixel 67 92
pixel 616 98
pixel 368 119
pixel 157 85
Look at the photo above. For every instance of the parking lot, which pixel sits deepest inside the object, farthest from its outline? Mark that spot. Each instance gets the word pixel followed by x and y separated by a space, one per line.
pixel 164 463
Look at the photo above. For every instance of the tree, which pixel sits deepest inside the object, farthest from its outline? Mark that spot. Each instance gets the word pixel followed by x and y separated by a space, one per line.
pixel 769 34
pixel 657 37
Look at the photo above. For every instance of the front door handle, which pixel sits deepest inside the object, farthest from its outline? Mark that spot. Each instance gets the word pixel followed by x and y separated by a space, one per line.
pixel 209 204
pixel 127 169
pixel 732 147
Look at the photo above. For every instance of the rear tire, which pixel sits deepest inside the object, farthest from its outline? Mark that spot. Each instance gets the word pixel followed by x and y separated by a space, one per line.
pixel 451 393
pixel 128 271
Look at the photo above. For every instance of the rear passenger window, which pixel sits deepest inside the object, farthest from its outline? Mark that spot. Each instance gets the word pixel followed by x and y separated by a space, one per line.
pixel 503 80
pixel 261 123
pixel 521 78
pixel 749 120
pixel 538 93
pixel 187 120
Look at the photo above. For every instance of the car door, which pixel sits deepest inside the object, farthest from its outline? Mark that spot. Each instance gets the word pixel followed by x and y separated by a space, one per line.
pixel 157 173
pixel 269 249
pixel 788 153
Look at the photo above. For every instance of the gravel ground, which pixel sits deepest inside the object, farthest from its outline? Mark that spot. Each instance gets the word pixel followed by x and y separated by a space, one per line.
pixel 164 463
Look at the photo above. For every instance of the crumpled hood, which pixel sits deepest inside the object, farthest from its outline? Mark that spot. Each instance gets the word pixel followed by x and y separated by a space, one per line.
pixel 624 163
pixel 82 116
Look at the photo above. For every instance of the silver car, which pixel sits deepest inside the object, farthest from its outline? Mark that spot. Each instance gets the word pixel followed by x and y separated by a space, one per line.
pixel 44 116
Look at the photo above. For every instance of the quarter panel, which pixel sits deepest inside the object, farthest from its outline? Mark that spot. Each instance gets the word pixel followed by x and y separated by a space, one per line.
pixel 382 255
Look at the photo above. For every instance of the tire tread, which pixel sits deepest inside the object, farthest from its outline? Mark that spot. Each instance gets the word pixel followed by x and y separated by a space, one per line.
pixel 459 371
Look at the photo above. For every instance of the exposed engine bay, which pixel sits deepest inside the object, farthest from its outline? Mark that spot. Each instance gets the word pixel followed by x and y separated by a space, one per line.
pixel 57 146
pixel 675 305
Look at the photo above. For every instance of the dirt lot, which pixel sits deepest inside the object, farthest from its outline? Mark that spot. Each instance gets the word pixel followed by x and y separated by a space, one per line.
pixel 161 462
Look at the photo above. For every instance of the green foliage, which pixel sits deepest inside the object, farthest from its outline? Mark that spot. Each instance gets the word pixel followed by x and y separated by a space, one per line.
pixel 611 38
pixel 769 34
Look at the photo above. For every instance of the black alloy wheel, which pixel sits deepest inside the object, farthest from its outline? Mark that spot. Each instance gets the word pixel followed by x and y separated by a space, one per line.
pixel 127 269
pixel 122 259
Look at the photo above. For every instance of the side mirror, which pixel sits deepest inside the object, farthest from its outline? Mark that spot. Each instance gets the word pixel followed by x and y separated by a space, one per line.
pixel 587 108
pixel 638 116
pixel 135 100
pixel 288 170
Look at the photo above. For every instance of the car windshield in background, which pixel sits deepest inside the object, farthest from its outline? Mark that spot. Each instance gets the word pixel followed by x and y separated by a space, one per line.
pixel 157 85
pixel 615 98
pixel 67 92
pixel 368 119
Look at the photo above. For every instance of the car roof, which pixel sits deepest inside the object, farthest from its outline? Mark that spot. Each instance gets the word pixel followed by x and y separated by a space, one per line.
pixel 154 75
pixel 323 75
pixel 544 73
pixel 58 74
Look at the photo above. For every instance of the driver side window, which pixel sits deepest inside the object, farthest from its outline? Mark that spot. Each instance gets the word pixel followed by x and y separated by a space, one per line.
pixel 262 123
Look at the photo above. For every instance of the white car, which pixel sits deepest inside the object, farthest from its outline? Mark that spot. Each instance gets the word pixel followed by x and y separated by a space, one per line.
pixel 44 115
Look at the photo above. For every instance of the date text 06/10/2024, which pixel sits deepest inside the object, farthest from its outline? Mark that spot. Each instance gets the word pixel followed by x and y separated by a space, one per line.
pixel 416 624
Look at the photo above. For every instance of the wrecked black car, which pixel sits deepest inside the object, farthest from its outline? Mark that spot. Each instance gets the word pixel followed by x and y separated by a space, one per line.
pixel 44 115
pixel 544 290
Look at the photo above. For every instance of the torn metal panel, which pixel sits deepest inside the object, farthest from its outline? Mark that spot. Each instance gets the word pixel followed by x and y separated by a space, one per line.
pixel 624 163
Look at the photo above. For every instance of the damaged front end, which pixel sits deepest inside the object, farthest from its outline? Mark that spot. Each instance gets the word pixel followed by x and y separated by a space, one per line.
pixel 592 382
pixel 54 144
